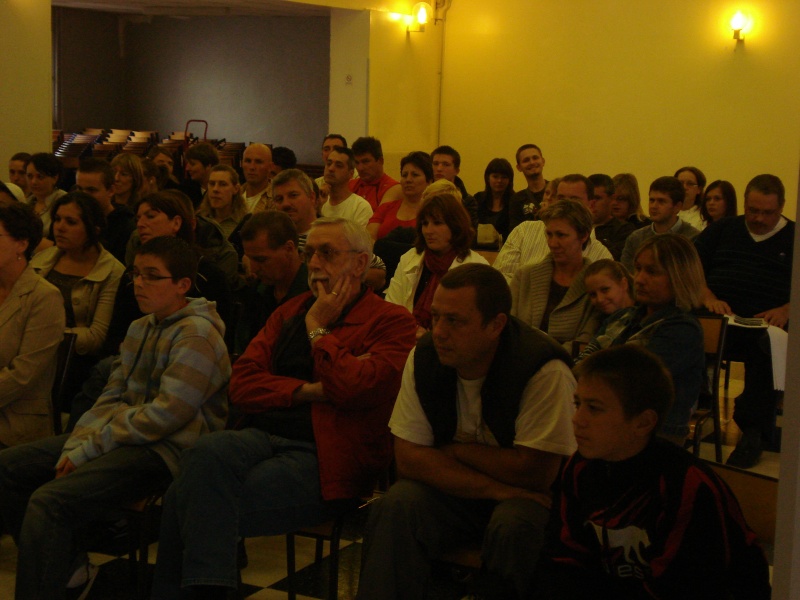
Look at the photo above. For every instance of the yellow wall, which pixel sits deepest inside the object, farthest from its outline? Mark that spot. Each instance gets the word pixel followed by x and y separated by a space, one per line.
pixel 624 85
pixel 25 70
pixel 404 88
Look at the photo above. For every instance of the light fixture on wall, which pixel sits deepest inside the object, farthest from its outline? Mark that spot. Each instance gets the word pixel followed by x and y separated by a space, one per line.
pixel 741 24
pixel 421 14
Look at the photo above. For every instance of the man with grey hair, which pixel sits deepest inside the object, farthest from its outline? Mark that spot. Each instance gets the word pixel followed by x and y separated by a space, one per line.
pixel 317 386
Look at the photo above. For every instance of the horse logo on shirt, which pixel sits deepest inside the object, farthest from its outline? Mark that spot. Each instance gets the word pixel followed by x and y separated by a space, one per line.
pixel 624 549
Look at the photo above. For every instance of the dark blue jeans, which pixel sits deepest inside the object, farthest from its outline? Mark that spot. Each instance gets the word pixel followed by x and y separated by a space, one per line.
pixel 45 515
pixel 233 484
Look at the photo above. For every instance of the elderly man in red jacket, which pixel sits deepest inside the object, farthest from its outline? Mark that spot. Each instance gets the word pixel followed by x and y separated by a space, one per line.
pixel 316 387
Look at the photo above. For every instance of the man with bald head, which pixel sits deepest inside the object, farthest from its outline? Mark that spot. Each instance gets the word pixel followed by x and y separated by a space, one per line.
pixel 256 164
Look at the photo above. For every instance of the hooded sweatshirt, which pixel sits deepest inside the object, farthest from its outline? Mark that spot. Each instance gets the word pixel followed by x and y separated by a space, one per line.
pixel 167 388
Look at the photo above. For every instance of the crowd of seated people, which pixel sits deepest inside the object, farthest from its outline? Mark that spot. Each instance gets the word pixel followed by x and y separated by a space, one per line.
pixel 462 375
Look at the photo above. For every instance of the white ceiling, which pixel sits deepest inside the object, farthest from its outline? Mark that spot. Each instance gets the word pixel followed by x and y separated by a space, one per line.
pixel 196 8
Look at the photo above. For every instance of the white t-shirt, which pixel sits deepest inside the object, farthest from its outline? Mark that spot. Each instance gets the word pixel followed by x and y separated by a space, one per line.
pixel 354 207
pixel 544 421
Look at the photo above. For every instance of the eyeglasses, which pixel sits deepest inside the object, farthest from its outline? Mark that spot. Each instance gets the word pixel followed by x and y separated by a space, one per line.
pixel 689 185
pixel 324 254
pixel 147 278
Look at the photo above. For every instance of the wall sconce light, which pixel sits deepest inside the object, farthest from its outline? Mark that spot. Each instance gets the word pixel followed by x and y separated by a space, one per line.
pixel 741 25
pixel 421 14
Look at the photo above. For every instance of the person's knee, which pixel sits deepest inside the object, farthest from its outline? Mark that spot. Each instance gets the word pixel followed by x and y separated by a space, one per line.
pixel 517 523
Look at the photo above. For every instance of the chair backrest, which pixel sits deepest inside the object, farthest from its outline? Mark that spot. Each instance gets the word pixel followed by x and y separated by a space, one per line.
pixel 66 350
pixel 758 497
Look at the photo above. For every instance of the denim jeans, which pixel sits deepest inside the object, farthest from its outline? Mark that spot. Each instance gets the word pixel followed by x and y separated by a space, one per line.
pixel 45 514
pixel 233 484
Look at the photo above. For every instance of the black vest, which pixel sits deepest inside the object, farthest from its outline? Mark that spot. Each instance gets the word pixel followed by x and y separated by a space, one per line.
pixel 520 354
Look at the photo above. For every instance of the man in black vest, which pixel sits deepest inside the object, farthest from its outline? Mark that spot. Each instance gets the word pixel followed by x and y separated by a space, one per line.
pixel 481 424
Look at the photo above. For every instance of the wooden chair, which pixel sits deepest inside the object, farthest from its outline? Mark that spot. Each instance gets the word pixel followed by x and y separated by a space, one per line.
pixel 714 329
pixel 66 351
pixel 758 497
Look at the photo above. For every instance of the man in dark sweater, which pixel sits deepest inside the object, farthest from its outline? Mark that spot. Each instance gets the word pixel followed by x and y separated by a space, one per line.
pixel 96 177
pixel 748 265
pixel 610 231
pixel 525 204
pixel 635 516
pixel 481 425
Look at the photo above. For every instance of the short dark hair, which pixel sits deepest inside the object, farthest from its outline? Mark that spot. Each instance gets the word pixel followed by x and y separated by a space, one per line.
pixel 351 159
pixel 450 210
pixel 204 153
pixel 578 178
pixel 173 203
pixel 92 216
pixel 98 165
pixel 23 156
pixel 177 256
pixel 275 223
pixel 728 194
pixel 22 223
pixel 368 145
pixel 46 164
pixel 492 294
pixel 284 157
pixel 604 181
pixel 671 186
pixel 524 147
pixel 768 185
pixel 421 160
pixel 698 174
pixel 334 136
pixel 449 151
pixel 637 376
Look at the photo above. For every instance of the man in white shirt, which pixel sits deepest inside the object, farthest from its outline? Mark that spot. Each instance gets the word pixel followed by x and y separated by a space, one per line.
pixel 342 202
pixel 481 424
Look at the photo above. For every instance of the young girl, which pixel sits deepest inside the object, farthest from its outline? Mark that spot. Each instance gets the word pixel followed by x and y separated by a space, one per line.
pixel 609 286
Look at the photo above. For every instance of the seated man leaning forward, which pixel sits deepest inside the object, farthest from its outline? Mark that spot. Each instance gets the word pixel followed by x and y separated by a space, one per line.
pixel 481 425
pixel 317 386
pixel 166 390
pixel 636 516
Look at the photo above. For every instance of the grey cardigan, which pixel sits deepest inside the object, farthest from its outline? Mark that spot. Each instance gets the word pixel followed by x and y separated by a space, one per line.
pixel 573 319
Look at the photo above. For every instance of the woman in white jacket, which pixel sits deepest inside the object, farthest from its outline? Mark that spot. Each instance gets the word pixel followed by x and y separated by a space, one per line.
pixel 444 236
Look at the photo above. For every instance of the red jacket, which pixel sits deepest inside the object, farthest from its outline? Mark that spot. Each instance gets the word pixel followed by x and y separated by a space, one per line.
pixel 351 429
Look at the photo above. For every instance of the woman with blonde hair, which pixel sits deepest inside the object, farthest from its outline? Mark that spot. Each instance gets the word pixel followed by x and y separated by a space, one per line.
pixel 668 285
pixel 223 203
pixel 128 179
pixel 444 236
pixel 551 295
pixel 626 205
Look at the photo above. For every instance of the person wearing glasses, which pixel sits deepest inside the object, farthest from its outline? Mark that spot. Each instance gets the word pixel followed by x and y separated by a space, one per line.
pixel 748 267
pixel 316 387
pixel 167 390
pixel 694 181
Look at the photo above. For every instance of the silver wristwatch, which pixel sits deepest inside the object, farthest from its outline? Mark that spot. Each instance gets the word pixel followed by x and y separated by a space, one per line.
pixel 316 332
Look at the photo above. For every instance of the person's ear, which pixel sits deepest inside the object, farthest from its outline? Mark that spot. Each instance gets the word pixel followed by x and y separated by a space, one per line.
pixel 184 285
pixel 645 422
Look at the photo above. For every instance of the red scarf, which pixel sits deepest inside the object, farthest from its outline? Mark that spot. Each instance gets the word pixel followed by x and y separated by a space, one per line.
pixel 437 265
